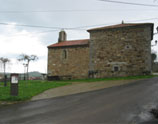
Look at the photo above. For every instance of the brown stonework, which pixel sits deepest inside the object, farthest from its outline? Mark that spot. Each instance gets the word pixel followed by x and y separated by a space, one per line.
pixel 75 65
pixel 113 51
pixel 126 49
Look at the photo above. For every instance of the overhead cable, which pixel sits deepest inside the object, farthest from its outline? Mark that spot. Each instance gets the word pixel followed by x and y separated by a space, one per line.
pixel 35 26
pixel 129 3
pixel 74 28
pixel 61 11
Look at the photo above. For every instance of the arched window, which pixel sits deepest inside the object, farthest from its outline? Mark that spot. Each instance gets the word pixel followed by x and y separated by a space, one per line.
pixel 64 54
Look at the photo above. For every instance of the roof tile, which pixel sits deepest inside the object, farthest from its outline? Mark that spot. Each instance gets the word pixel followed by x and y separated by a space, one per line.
pixel 120 26
pixel 70 43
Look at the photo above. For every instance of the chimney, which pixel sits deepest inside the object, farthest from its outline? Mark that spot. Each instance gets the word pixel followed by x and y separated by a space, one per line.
pixel 62 36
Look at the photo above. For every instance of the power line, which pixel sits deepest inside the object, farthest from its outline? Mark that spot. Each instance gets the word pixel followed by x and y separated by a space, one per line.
pixel 52 11
pixel 142 20
pixel 47 31
pixel 129 21
pixel 138 4
pixel 1 23
pixel 36 26
pixel 32 33
pixel 58 11
pixel 74 28
pixel 39 32
pixel 88 26
pixel 47 11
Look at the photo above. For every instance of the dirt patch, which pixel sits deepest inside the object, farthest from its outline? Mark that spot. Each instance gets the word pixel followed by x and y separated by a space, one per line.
pixel 78 87
pixel 5 103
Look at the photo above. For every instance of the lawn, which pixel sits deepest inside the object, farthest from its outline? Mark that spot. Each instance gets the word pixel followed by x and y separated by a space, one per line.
pixel 111 78
pixel 28 89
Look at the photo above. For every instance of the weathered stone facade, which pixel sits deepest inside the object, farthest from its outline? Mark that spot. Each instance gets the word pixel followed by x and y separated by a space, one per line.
pixel 120 50
pixel 74 65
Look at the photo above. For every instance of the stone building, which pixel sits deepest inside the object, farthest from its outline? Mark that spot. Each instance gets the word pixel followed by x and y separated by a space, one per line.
pixel 111 51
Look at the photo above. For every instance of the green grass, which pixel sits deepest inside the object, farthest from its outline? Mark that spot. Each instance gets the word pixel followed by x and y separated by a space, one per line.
pixel 28 89
pixel 112 78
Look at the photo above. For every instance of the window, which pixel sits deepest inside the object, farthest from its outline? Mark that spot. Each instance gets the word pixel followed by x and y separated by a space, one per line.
pixel 128 47
pixel 64 54
pixel 116 68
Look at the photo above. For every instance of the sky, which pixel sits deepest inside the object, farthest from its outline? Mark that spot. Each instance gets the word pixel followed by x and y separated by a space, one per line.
pixel 29 26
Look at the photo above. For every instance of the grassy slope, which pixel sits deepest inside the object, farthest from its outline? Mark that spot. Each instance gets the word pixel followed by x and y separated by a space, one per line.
pixel 29 89
pixel 114 78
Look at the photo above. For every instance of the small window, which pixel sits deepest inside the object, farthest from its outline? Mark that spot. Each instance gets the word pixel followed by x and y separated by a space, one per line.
pixel 64 54
pixel 128 47
pixel 116 68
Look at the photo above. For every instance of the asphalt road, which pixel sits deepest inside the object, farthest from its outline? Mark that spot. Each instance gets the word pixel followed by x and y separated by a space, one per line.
pixel 127 104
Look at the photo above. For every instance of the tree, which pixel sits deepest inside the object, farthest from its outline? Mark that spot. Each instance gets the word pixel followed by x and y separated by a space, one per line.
pixel 4 61
pixel 153 57
pixel 27 59
pixel 25 66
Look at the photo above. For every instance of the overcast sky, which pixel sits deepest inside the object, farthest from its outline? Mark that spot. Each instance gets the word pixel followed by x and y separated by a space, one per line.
pixel 75 16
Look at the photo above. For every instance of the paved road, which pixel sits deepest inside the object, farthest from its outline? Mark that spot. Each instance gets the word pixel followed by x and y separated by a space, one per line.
pixel 128 104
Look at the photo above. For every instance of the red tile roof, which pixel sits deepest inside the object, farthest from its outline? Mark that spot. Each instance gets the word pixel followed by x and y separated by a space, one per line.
pixel 70 43
pixel 120 26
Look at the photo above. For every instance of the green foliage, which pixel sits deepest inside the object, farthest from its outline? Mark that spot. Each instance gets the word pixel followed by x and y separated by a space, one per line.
pixel 28 89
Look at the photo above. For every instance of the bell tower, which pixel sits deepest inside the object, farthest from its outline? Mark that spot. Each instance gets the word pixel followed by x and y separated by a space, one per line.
pixel 62 36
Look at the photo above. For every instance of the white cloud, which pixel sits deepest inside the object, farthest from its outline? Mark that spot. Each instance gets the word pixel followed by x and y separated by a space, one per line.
pixel 14 43
pixel 17 67
pixel 75 35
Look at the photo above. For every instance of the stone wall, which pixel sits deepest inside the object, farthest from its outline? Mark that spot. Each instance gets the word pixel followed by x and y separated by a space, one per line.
pixel 68 62
pixel 122 51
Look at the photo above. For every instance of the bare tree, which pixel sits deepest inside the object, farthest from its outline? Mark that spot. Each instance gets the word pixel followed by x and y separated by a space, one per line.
pixel 27 59
pixel 25 66
pixel 4 61
pixel 153 58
